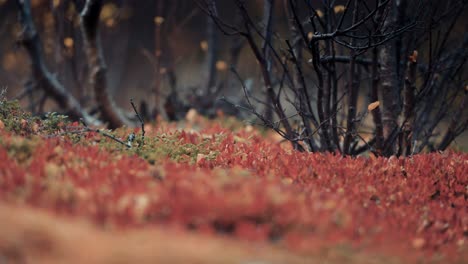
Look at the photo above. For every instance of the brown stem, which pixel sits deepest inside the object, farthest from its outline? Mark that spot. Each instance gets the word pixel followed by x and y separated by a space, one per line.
pixel 408 106
pixel 334 101
pixel 212 52
pixel 157 57
pixel 353 87
pixel 268 7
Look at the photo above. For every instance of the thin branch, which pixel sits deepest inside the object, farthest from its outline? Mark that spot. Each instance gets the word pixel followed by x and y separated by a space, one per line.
pixel 142 124
pixel 102 132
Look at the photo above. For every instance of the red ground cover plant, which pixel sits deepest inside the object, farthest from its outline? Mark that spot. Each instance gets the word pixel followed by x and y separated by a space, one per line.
pixel 246 185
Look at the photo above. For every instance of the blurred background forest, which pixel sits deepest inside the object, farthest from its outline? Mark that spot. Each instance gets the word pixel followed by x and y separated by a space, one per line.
pixel 171 56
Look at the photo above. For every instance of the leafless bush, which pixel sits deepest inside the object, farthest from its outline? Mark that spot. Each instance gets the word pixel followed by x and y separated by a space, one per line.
pixel 404 55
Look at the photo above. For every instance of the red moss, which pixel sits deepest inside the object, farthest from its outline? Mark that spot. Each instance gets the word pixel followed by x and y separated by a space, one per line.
pixel 256 190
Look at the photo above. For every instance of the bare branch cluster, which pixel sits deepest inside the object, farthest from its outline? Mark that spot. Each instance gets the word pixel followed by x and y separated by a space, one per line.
pixel 379 76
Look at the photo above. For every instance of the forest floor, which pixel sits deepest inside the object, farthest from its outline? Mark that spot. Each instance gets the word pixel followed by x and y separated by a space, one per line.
pixel 218 191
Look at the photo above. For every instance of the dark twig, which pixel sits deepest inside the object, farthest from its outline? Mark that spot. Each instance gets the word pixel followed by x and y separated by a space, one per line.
pixel 100 131
pixel 141 122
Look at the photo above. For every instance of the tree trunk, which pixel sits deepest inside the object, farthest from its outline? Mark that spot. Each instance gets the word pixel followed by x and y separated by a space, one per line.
pixel 389 81
pixel 409 90
pixel 353 88
pixel 212 52
pixel 89 21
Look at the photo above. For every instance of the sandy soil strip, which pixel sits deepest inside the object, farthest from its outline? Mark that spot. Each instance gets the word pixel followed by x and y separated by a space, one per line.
pixel 33 236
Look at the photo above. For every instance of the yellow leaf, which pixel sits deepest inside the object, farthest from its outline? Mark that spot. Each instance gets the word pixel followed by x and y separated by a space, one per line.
pixel 158 20
pixel 319 13
pixel 373 105
pixel 68 42
pixel 108 11
pixel 221 65
pixel 339 8
pixel 204 45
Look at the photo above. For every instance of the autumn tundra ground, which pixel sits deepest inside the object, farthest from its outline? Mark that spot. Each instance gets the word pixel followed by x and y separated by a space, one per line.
pixel 218 191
